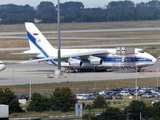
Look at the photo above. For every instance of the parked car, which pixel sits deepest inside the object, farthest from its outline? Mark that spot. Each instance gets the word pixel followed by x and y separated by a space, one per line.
pixel 145 88
pixel 93 92
pixel 131 91
pixel 112 93
pixel 156 95
pixel 22 96
pixel 92 97
pixel 119 96
pixel 117 89
pixel 102 92
pixel 85 97
pixel 80 96
pixel 124 93
pixel 109 97
pixel 147 95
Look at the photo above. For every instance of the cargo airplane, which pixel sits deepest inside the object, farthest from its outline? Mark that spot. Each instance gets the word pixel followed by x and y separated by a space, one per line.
pixel 100 59
pixel 2 66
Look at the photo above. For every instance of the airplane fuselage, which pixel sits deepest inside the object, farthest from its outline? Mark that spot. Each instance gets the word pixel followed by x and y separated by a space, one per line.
pixel 109 59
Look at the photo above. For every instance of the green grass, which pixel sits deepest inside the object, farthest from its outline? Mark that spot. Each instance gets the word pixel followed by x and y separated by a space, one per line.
pixel 83 86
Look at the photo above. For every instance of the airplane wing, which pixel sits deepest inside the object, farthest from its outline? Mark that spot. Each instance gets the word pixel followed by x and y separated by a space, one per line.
pixel 81 54
pixel 23 53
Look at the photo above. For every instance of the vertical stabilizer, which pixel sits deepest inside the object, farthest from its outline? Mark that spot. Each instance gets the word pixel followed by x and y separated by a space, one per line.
pixel 36 38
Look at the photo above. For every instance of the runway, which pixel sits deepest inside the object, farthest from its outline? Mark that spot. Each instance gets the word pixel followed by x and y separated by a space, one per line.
pixel 88 46
pixel 12 35
pixel 36 73
pixel 92 30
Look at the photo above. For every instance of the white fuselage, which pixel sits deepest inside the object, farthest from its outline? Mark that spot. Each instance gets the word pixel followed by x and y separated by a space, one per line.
pixel 110 59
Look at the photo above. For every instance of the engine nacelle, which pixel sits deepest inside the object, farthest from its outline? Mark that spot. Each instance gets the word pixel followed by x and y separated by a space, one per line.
pixel 95 60
pixel 75 62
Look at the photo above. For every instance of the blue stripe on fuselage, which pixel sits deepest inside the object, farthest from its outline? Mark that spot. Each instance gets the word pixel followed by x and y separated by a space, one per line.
pixel 119 59
pixel 33 40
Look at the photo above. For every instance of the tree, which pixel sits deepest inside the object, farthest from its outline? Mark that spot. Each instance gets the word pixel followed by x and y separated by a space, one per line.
pixel 135 108
pixel 156 107
pixel 47 18
pixel 46 8
pixel 99 102
pixel 112 113
pixel 68 8
pixel 39 103
pixel 7 97
pixel 120 4
pixel 63 99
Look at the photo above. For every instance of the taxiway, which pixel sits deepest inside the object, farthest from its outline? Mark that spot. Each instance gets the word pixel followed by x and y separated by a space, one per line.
pixel 37 73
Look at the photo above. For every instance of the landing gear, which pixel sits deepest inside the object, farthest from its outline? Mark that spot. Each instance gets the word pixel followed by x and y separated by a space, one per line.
pixel 139 69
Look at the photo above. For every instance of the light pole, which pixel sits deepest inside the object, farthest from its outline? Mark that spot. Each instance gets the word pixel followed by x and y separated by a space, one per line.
pixel 30 93
pixel 157 78
pixel 136 83
pixel 59 45
pixel 94 78
pixel 13 80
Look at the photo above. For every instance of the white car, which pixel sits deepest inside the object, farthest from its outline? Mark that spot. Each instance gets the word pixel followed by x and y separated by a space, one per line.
pixel 102 92
pixel 85 97
pixel 80 96
pixel 124 93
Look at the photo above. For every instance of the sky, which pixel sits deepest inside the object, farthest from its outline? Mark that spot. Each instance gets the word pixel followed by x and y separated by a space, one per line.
pixel 87 3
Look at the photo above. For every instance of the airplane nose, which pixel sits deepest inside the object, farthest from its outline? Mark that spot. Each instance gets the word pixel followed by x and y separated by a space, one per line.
pixel 4 67
pixel 154 60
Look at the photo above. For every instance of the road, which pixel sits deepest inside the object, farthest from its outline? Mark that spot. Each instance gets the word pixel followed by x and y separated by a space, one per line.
pixel 37 73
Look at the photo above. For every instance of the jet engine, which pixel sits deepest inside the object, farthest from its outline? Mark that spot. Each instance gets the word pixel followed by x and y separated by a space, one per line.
pixel 95 60
pixel 75 62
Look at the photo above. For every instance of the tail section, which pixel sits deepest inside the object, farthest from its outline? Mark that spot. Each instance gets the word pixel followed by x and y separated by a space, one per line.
pixel 36 39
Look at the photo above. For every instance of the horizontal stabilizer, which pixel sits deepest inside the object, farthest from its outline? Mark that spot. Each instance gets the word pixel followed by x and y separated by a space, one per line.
pixel 36 60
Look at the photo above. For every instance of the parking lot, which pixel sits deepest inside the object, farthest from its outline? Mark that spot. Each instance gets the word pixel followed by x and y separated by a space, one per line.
pixel 123 93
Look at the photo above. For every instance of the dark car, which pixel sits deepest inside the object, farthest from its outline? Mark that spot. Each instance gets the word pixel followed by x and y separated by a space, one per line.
pixel 112 93
pixel 118 96
pixel 22 96
pixel 108 97
pixel 156 95
pixel 93 92
pixel 117 89
pixel 91 97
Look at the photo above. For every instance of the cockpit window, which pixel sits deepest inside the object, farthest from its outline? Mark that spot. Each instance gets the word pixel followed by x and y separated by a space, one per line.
pixel 141 51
